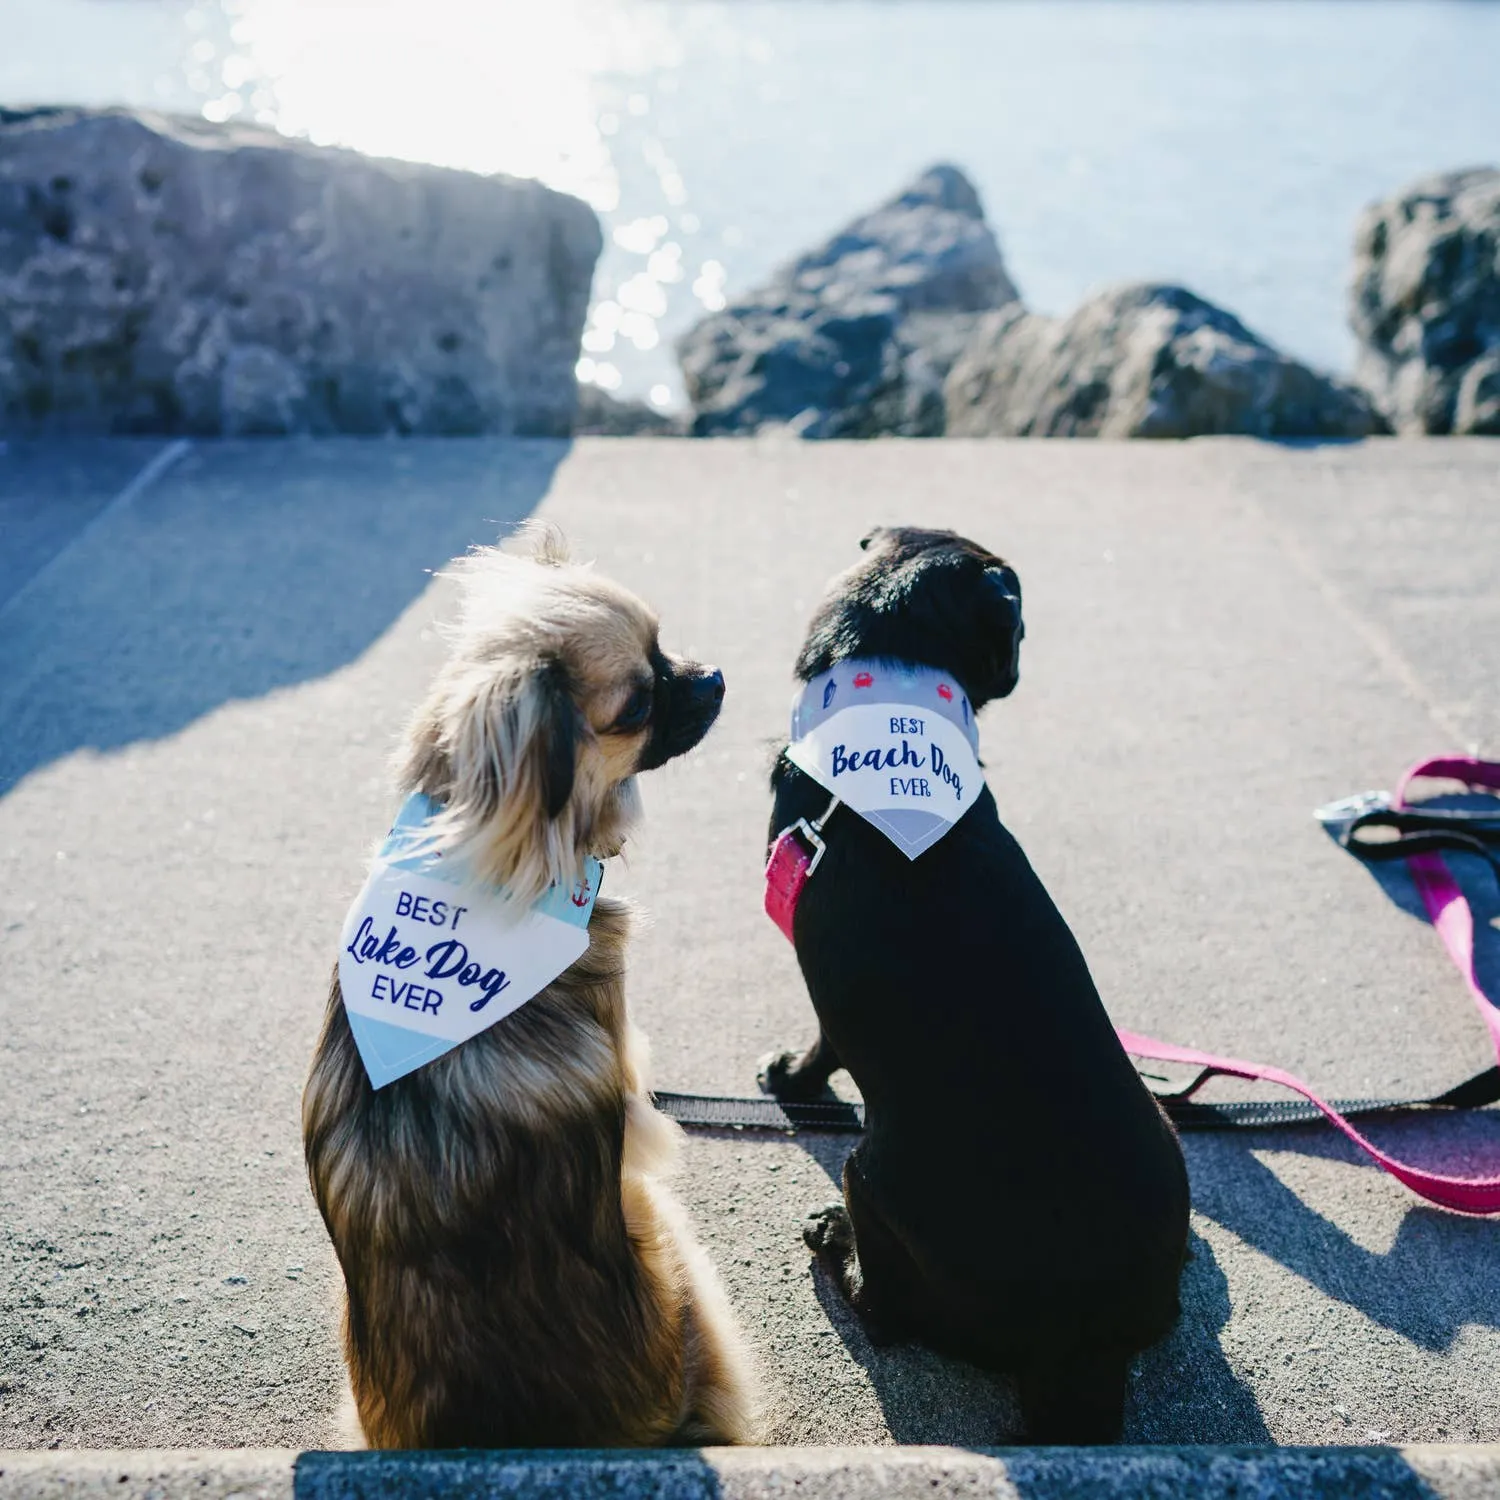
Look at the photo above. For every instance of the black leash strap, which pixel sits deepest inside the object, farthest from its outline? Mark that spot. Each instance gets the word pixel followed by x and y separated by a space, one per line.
pixel 725 1112
pixel 1409 831
pixel 1419 832
pixel 1254 1114
pixel 835 1117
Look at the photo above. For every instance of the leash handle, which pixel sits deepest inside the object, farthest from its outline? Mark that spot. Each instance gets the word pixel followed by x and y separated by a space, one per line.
pixel 1447 908
pixel 1451 916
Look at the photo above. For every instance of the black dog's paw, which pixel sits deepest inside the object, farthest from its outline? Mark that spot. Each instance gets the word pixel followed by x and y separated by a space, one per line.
pixel 773 1069
pixel 829 1233
pixel 780 1077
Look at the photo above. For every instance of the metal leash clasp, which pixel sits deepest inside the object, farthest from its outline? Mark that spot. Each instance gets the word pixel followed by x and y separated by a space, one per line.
pixel 1340 817
pixel 813 833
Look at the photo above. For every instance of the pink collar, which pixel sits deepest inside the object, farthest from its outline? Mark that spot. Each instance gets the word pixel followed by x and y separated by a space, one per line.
pixel 796 854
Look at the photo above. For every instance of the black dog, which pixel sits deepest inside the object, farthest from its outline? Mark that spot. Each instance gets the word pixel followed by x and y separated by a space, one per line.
pixel 1018 1198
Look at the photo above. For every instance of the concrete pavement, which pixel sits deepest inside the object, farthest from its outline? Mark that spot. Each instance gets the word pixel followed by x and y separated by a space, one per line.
pixel 198 689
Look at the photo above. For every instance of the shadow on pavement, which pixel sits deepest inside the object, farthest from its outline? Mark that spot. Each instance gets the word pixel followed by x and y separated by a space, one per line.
pixel 248 567
pixel 924 1397
pixel 683 1473
pixel 49 492
pixel 1182 1390
pixel 1440 1273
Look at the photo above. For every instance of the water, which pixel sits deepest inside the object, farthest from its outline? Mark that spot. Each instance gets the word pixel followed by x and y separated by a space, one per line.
pixel 1227 144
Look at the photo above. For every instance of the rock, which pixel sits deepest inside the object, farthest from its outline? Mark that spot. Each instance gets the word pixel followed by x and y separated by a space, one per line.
pixel 927 344
pixel 1141 361
pixel 855 337
pixel 1478 408
pixel 166 275
pixel 602 415
pixel 1425 303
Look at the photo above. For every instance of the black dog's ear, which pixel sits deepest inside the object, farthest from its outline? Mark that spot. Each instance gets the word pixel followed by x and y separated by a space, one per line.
pixel 1000 631
pixel 554 736
pixel 1002 600
pixel 869 536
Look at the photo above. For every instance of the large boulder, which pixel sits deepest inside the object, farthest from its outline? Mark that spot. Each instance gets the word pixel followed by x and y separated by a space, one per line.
pixel 1144 360
pixel 855 337
pixel 1425 303
pixel 167 275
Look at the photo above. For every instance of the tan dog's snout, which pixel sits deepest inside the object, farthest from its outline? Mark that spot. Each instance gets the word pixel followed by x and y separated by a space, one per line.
pixel 691 696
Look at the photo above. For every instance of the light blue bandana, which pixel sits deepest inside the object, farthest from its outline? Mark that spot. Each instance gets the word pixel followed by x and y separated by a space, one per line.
pixel 429 959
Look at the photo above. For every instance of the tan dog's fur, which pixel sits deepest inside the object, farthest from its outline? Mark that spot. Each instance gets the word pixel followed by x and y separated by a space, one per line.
pixel 516 1274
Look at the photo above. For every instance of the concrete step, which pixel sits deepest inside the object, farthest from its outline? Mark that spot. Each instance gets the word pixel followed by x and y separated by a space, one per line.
pixel 1453 1472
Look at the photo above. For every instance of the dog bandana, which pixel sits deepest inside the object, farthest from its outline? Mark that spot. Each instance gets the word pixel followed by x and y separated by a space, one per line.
pixel 429 959
pixel 896 743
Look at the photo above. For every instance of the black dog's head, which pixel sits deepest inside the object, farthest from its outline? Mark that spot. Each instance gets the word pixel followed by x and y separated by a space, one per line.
pixel 929 597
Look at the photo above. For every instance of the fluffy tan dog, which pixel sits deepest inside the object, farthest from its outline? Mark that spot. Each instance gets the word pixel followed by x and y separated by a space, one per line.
pixel 516 1274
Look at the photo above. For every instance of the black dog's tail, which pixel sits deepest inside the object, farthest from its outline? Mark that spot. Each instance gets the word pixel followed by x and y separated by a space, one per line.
pixel 1075 1396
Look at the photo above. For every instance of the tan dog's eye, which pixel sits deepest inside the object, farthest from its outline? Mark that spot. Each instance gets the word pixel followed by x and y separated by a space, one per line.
pixel 637 711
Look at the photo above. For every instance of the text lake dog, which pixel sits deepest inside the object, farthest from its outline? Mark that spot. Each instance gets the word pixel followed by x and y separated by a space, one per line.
pixel 1018 1198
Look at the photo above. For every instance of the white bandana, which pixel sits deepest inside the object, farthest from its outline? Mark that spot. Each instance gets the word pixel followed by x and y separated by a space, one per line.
pixel 895 742
pixel 429 959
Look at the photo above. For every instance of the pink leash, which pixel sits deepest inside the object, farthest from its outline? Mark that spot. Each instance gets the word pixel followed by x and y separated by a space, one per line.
pixel 1454 921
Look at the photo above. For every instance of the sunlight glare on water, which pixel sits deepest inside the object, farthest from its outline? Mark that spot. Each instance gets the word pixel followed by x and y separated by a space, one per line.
pixel 501 87
pixel 1225 144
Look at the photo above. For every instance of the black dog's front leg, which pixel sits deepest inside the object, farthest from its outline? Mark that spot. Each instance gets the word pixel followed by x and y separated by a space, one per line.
pixel 800 1077
pixel 829 1234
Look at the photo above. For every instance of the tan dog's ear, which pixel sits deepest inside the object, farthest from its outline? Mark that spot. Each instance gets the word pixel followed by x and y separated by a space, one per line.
pixel 499 751
pixel 554 739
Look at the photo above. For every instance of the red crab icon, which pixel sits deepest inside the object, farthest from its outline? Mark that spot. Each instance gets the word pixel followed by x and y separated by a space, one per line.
pixel 863 679
pixel 945 692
